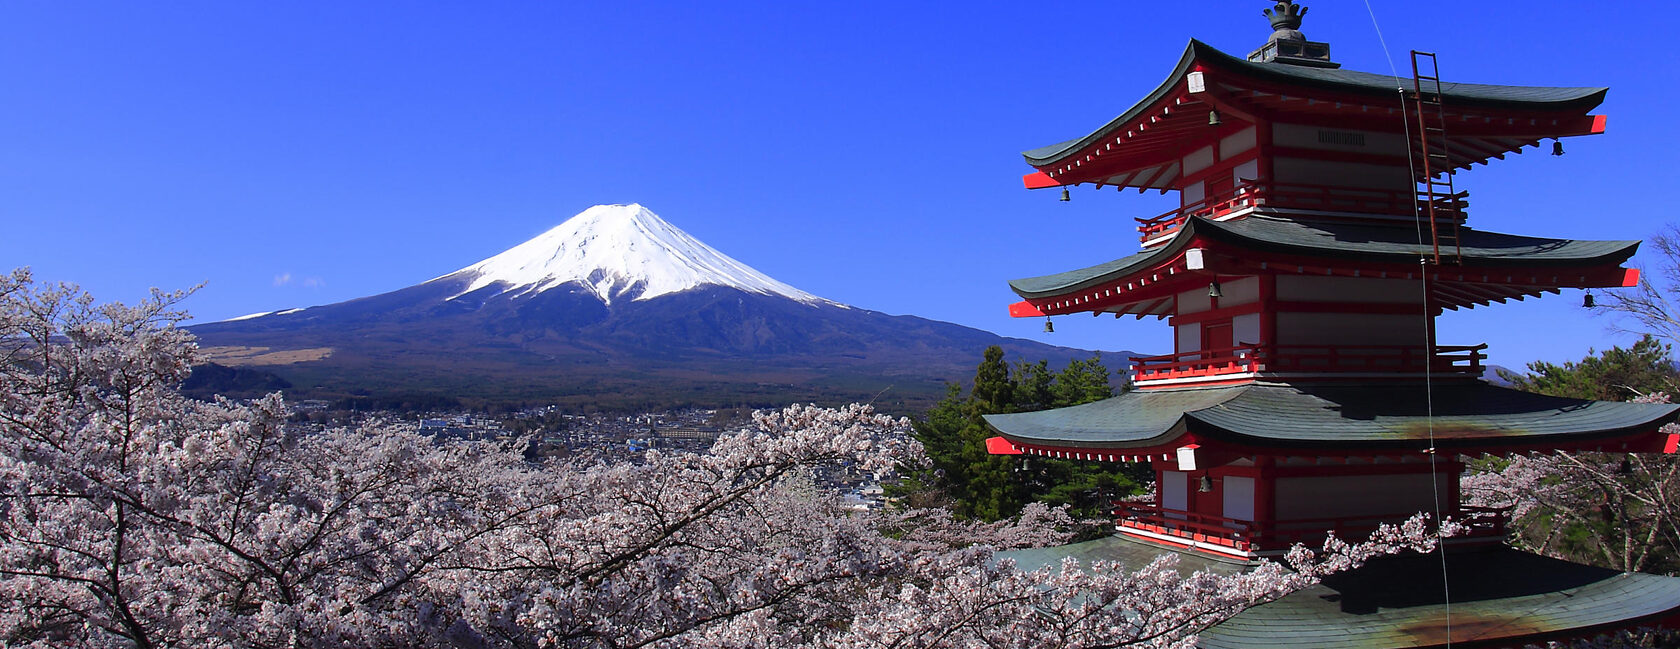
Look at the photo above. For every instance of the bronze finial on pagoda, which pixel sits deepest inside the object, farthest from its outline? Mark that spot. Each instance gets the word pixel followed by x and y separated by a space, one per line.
pixel 1288 44
pixel 1286 20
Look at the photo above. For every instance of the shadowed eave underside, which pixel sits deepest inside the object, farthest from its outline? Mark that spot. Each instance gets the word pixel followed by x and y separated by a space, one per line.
pixel 1525 98
pixel 1348 241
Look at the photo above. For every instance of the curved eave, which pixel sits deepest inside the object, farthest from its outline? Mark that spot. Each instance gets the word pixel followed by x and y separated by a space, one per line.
pixel 1048 155
pixel 1500 597
pixel 1074 280
pixel 1524 98
pixel 1361 243
pixel 1401 244
pixel 1134 420
pixel 1379 417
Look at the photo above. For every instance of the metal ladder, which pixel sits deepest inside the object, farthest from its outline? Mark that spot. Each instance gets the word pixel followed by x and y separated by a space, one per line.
pixel 1437 197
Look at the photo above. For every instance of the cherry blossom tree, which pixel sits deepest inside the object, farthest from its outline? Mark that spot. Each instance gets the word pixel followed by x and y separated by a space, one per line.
pixel 130 516
pixel 1617 510
pixel 133 517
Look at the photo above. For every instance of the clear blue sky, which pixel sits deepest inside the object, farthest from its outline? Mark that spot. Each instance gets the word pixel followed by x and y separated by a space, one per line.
pixel 289 154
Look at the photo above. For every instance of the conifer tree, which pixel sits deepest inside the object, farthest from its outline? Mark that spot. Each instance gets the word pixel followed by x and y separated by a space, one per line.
pixel 1618 374
pixel 989 487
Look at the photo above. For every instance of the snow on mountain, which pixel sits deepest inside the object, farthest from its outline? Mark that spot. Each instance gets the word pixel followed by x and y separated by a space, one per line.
pixel 248 316
pixel 260 314
pixel 610 249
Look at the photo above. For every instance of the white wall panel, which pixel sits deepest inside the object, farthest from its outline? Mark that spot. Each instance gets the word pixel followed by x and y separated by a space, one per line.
pixel 1189 337
pixel 1246 328
pixel 1308 288
pixel 1238 494
pixel 1346 496
pixel 1237 142
pixel 1349 329
pixel 1175 490
pixel 1198 160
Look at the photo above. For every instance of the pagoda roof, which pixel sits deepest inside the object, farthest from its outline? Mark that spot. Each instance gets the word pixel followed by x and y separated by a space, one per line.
pixel 1460 415
pixel 1338 240
pixel 1499 596
pixel 1471 95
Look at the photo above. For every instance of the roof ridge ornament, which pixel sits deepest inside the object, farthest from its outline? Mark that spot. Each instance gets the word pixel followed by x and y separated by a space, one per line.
pixel 1288 44
pixel 1286 19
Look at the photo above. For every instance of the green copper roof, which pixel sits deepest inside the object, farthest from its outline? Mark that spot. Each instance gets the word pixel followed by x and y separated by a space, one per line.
pixel 1128 552
pixel 1497 593
pixel 1376 243
pixel 1470 94
pixel 1465 415
pixel 1397 602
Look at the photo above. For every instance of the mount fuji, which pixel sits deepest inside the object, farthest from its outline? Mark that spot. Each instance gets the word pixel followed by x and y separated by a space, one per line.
pixel 617 308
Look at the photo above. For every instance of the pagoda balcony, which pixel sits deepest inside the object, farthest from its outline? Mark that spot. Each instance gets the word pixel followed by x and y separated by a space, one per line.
pixel 1342 201
pixel 1252 538
pixel 1250 360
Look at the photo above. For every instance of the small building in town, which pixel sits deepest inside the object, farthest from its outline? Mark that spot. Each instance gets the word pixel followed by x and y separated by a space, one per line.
pixel 1319 234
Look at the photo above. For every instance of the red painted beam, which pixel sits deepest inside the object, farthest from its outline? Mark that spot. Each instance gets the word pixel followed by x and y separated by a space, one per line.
pixel 1039 180
pixel 1024 309
pixel 1630 278
pixel 1000 446
pixel 1597 124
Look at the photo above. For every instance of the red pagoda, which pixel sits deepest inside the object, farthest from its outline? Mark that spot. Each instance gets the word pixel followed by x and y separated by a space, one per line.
pixel 1318 237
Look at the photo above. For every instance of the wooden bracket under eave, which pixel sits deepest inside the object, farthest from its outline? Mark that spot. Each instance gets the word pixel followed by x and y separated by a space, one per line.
pixel 1001 446
pixel 1024 309
pixel 1039 180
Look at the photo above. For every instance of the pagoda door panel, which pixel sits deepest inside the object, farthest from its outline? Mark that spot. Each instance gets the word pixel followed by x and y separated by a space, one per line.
pixel 1218 186
pixel 1239 498
pixel 1217 335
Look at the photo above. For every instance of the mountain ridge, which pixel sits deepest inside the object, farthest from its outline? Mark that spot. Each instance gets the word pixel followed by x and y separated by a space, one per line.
pixel 621 307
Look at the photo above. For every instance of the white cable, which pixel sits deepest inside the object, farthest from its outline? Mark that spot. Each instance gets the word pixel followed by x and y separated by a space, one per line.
pixel 1428 343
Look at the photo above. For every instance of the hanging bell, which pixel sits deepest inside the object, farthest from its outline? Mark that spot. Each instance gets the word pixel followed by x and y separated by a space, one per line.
pixel 1213 118
pixel 1626 468
pixel 1587 300
pixel 1207 484
pixel 1065 196
pixel 1213 289
pixel 1049 327
pixel 1557 147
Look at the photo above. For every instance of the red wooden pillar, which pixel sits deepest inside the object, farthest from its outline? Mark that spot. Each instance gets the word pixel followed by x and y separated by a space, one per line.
pixel 1451 501
pixel 1265 498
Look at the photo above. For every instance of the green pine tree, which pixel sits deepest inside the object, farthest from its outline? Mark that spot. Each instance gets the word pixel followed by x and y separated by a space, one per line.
pixel 976 484
pixel 1616 375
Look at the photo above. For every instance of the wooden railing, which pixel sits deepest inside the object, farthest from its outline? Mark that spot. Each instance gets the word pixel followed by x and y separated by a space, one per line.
pixel 1399 359
pixel 1251 536
pixel 1245 195
pixel 1201 528
pixel 1206 362
pixel 1448 208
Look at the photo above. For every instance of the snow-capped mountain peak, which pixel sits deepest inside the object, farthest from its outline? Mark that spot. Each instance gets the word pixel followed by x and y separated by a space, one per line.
pixel 611 249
